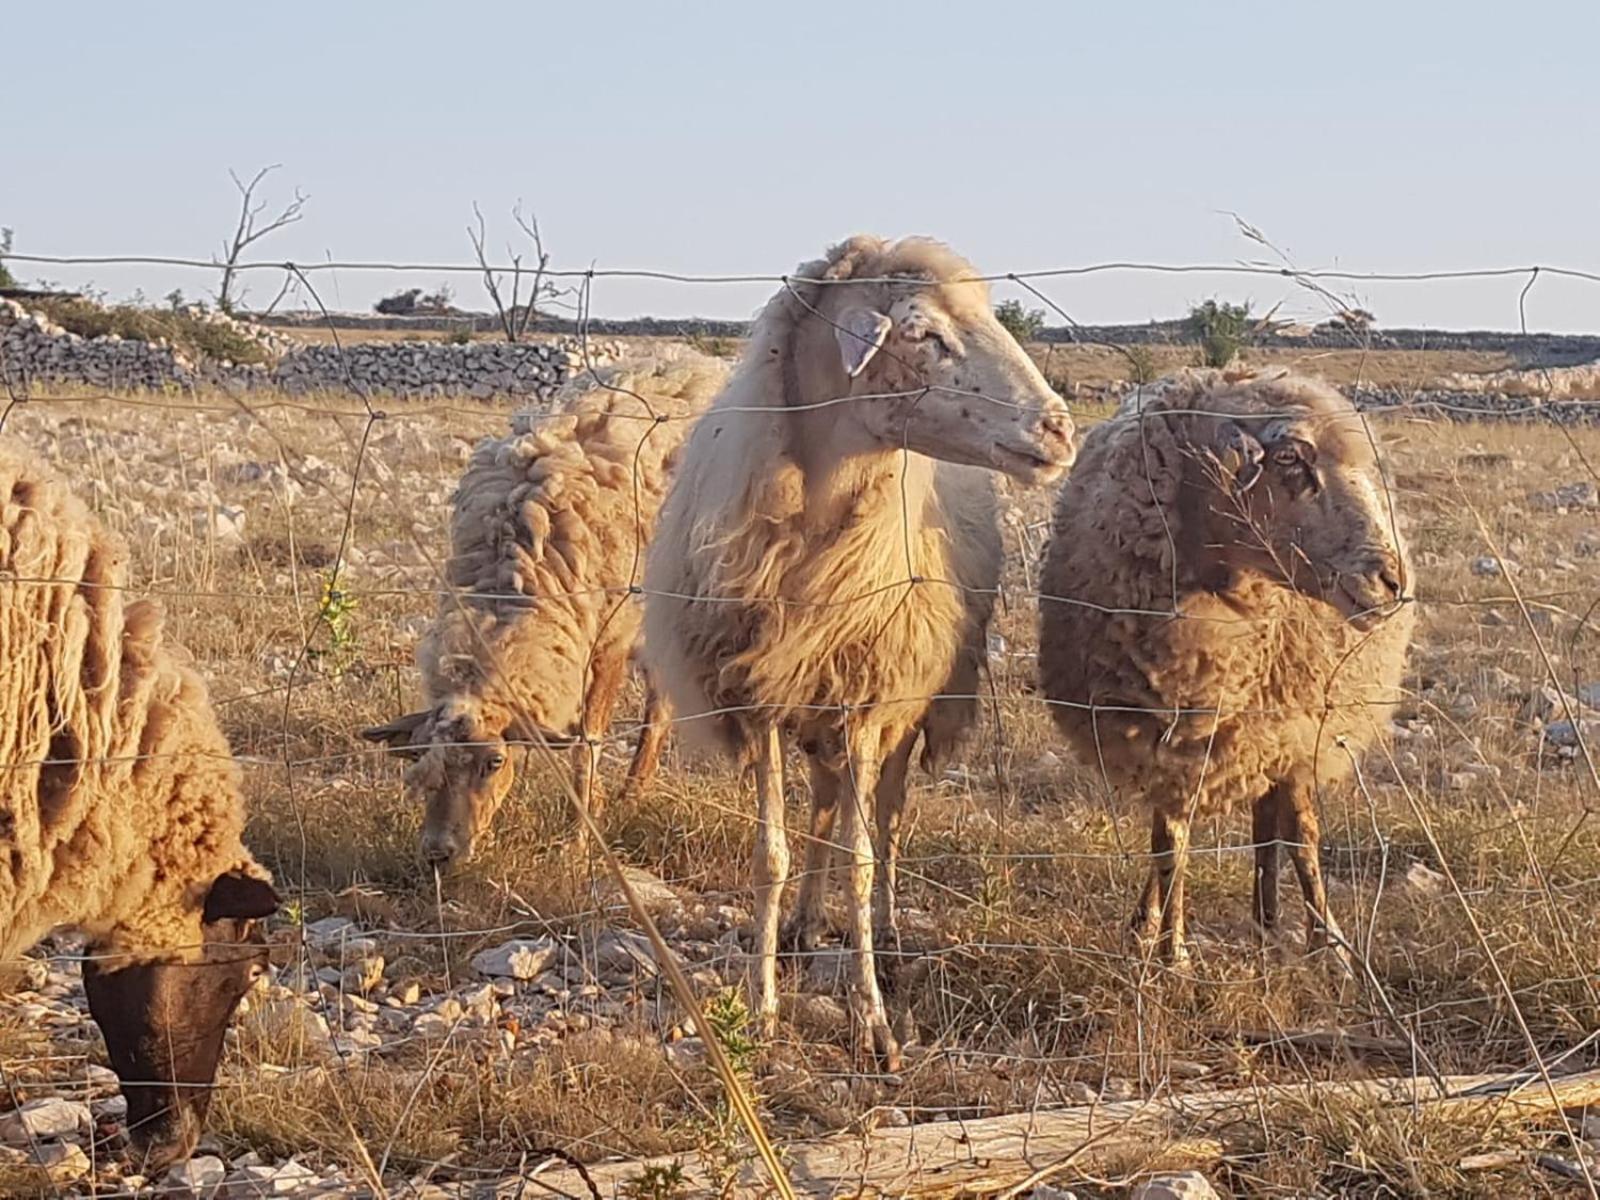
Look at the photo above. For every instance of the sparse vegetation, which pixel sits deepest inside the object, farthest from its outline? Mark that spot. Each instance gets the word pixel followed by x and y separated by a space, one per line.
pixel 7 279
pixel 715 345
pixel 191 331
pixel 1142 364
pixel 1017 874
pixel 1023 324
pixel 1221 328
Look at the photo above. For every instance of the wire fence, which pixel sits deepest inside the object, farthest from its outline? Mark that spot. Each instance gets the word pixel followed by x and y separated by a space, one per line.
pixel 1541 790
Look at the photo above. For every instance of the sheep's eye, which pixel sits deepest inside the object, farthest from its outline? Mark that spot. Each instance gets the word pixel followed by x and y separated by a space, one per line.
pixel 942 346
pixel 494 762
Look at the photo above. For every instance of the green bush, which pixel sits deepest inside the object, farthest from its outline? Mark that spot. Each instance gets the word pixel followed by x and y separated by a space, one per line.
pixel 1142 364
pixel 1221 329
pixel 1023 324
pixel 195 336
pixel 7 279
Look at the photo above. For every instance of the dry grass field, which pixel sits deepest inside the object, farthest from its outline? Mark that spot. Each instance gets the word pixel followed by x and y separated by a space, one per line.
pixel 1464 867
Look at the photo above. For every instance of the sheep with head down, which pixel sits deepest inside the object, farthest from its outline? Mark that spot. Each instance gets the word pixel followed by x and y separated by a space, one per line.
pixel 831 516
pixel 532 640
pixel 120 810
pixel 1225 618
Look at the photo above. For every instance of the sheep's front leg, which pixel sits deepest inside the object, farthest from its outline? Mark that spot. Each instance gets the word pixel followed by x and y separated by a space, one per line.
pixel 804 930
pixel 891 804
pixel 1264 833
pixel 606 672
pixel 1173 863
pixel 652 737
pixel 771 869
pixel 857 792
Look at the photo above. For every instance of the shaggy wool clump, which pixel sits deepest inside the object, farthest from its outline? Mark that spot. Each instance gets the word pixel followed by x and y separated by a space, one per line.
pixel 119 798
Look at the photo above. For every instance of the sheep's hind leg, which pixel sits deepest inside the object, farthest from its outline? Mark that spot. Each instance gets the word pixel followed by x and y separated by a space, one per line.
pixel 1301 833
pixel 866 999
pixel 1146 922
pixel 771 869
pixel 1264 834
pixel 804 930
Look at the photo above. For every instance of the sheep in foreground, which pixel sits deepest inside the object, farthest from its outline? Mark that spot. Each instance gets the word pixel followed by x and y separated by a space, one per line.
pixel 1225 618
pixel 547 541
pixel 808 573
pixel 120 810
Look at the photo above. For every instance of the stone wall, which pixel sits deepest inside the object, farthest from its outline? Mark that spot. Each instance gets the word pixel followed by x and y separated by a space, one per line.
pixel 35 351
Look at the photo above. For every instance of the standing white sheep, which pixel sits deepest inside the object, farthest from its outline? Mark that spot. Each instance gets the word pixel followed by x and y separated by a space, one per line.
pixel 547 539
pixel 120 811
pixel 809 569
pixel 1224 618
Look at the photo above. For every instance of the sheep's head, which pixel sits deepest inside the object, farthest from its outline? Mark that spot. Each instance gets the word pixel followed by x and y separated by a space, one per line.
pixel 461 772
pixel 935 372
pixel 163 1021
pixel 1303 500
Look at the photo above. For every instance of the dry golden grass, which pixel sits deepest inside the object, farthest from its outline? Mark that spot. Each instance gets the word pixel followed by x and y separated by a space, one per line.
pixel 1017 877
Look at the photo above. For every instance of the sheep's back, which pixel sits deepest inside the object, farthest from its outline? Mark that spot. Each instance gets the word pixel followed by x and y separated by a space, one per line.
pixel 549 526
pixel 117 795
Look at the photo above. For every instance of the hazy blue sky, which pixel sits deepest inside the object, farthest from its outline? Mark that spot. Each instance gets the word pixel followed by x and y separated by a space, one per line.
pixel 743 137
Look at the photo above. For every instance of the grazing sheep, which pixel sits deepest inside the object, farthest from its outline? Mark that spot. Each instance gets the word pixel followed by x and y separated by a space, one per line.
pixel 1224 618
pixel 807 572
pixel 547 539
pixel 120 811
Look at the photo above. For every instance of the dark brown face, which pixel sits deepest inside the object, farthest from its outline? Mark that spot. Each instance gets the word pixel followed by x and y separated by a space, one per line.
pixel 1322 526
pixel 163 1022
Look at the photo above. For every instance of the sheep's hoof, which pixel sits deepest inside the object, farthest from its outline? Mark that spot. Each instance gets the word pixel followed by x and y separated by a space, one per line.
pixel 800 935
pixel 885 1049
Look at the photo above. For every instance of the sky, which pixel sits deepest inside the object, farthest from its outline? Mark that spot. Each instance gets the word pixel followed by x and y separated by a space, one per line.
pixel 714 138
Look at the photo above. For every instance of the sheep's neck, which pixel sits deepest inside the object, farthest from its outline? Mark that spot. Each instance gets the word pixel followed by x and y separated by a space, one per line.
pixel 848 482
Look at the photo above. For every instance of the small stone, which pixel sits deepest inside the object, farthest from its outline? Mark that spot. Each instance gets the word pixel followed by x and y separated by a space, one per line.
pixel 1424 880
pixel 330 931
pixel 364 974
pixel 820 1016
pixel 519 959
pixel 483 1004
pixel 651 891
pixel 41 1119
pixel 1178 1185
pixel 893 1118
pixel 1568 733
pixel 281 1180
pixel 62 1162
pixel 198 1177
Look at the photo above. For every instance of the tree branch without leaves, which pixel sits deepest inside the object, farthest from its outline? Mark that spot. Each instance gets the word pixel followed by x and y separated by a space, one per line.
pixel 248 231
pixel 519 315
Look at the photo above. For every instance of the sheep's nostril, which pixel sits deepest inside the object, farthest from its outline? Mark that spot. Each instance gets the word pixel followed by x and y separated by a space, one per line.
pixel 1391 580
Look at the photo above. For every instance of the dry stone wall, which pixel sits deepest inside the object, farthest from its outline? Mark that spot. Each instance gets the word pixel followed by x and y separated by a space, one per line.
pixel 36 351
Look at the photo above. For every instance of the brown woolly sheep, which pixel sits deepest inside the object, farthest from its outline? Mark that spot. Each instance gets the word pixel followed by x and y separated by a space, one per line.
pixel 1225 617
pixel 810 567
pixel 120 811
pixel 547 542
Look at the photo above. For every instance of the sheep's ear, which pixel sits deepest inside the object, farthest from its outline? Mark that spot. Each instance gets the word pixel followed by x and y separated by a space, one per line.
pixel 861 333
pixel 240 896
pixel 1241 455
pixel 399 735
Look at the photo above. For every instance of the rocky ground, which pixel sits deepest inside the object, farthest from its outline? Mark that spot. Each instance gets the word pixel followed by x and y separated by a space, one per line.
pixel 433 1038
